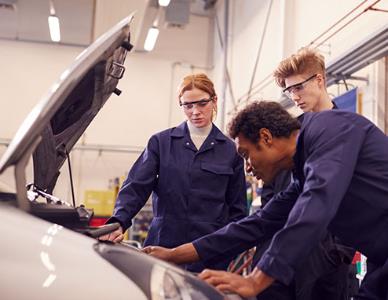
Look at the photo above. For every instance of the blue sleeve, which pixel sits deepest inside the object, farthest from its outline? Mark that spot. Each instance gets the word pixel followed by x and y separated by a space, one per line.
pixel 248 232
pixel 331 148
pixel 138 186
pixel 236 196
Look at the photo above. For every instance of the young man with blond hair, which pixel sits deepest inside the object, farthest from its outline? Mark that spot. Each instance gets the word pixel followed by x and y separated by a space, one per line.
pixel 303 79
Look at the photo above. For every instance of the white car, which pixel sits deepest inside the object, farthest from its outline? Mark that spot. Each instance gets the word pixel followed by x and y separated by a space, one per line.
pixel 48 251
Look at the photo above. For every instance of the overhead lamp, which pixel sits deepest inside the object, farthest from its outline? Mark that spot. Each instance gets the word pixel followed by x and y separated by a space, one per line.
pixel 55 32
pixel 53 22
pixel 164 2
pixel 151 38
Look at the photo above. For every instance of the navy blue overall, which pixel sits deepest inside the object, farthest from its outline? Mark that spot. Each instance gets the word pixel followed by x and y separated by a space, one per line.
pixel 340 185
pixel 193 192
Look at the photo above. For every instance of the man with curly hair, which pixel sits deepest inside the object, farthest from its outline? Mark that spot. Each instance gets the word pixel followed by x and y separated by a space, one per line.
pixel 339 162
pixel 325 271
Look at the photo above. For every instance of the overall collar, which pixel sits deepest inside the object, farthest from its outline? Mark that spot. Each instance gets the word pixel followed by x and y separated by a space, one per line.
pixel 215 136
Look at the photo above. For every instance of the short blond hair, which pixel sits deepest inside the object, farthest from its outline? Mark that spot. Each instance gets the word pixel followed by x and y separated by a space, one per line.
pixel 306 60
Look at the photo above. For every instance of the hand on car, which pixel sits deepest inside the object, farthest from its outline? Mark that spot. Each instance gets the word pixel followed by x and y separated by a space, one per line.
pixel 116 236
pixel 158 252
pixel 248 286
pixel 183 254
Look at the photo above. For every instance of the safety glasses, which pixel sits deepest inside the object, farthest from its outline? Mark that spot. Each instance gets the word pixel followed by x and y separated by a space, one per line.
pixel 200 103
pixel 298 87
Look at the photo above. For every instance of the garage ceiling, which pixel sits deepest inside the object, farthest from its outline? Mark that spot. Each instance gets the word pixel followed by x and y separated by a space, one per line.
pixel 82 21
pixel 26 20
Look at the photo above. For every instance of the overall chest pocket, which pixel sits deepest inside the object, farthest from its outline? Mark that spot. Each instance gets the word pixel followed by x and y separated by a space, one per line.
pixel 216 169
pixel 215 176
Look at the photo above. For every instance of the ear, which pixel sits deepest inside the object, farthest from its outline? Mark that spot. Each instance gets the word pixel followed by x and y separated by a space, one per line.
pixel 265 137
pixel 321 80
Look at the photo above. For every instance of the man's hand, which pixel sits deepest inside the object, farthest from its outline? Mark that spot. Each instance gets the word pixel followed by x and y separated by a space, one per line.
pixel 185 253
pixel 249 286
pixel 116 236
pixel 158 252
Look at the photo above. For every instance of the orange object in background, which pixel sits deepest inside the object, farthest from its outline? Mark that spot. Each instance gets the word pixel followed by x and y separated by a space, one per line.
pixel 98 221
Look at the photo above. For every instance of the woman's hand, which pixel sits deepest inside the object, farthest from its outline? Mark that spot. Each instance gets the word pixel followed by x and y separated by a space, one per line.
pixel 116 236
pixel 248 286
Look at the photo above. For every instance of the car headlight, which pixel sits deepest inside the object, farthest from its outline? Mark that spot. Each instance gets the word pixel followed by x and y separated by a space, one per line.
pixel 167 285
pixel 157 279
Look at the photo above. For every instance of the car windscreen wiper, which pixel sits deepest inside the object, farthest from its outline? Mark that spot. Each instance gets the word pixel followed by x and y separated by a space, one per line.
pixel 96 232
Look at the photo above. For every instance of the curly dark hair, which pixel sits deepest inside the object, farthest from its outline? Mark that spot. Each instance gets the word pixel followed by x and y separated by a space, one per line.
pixel 263 114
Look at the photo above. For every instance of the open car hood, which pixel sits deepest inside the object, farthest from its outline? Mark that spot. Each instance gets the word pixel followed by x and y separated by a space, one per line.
pixel 56 123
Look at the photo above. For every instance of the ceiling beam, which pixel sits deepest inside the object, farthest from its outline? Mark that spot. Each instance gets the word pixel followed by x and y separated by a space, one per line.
pixel 371 49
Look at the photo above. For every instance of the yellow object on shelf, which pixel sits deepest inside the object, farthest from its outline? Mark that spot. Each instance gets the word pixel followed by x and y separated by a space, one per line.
pixel 101 201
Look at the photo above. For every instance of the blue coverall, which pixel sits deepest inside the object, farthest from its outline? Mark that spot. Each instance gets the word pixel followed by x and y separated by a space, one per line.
pixel 193 192
pixel 340 185
pixel 324 273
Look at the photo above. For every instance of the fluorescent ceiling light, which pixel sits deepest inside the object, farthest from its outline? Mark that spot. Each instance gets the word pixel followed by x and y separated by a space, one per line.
pixel 164 2
pixel 55 32
pixel 151 38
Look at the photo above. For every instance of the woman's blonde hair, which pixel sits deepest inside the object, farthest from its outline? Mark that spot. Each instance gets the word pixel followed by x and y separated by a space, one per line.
pixel 306 60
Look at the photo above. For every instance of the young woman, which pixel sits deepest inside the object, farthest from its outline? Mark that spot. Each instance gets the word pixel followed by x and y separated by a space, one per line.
pixel 193 172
